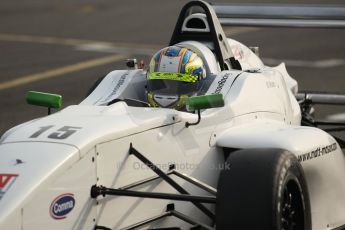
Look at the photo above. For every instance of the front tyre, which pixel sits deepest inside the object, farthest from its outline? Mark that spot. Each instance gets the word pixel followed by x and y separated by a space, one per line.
pixel 262 189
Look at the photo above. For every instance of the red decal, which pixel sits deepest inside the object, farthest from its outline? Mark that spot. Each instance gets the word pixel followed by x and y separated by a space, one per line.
pixel 6 180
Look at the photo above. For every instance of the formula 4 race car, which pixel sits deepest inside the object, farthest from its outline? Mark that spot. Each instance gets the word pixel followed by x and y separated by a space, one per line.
pixel 246 153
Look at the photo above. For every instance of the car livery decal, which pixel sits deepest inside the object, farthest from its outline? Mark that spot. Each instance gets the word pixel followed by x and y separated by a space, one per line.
pixel 221 83
pixel 61 206
pixel 120 83
pixel 6 180
pixel 320 151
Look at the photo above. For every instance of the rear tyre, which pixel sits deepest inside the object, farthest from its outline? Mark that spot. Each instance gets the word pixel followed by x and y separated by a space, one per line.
pixel 262 189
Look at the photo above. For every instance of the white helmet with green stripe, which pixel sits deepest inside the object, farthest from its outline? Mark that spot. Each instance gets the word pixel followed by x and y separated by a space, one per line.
pixel 175 73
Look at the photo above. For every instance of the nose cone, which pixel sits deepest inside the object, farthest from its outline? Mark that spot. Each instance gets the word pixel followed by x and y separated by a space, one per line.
pixel 165 100
pixel 25 168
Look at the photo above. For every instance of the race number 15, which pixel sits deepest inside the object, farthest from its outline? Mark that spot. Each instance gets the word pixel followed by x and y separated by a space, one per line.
pixel 60 134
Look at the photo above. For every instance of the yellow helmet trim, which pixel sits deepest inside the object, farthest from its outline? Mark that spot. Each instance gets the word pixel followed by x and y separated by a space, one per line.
pixel 172 76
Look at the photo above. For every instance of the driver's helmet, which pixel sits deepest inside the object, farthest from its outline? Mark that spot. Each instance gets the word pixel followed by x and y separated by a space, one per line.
pixel 175 73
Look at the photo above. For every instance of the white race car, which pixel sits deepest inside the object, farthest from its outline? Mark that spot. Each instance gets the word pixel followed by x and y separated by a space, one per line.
pixel 245 154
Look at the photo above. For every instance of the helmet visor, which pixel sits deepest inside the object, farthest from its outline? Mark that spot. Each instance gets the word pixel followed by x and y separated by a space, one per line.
pixel 172 83
pixel 172 87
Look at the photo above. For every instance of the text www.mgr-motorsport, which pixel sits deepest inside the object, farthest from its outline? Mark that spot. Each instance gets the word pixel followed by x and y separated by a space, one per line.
pixel 317 152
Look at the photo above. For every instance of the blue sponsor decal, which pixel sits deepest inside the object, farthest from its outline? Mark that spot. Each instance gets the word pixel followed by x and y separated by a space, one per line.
pixel 61 206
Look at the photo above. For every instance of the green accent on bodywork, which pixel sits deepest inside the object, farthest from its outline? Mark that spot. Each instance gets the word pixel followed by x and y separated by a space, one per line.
pixel 44 99
pixel 204 102
pixel 185 77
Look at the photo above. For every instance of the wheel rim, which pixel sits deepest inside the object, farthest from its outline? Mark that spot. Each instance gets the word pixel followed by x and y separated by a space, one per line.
pixel 292 211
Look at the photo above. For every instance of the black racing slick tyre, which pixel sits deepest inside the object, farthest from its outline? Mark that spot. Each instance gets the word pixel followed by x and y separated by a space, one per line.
pixel 262 189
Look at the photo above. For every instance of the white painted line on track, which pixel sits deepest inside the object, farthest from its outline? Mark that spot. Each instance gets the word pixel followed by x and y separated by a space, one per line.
pixel 61 71
pixel 42 39
pixel 326 63
pixel 122 51
pixel 109 48
pixel 103 46
pixel 85 45
pixel 339 117
pixel 70 41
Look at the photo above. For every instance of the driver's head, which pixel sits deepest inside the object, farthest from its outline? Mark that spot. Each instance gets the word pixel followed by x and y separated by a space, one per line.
pixel 175 73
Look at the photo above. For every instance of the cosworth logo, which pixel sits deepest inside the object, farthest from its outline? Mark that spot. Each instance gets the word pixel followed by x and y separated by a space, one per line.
pixel 6 180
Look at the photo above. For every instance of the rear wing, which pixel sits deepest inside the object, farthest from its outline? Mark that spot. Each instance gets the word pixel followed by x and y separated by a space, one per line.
pixel 322 98
pixel 273 15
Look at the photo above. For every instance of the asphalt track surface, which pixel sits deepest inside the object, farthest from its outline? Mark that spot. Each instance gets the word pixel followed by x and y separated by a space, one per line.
pixel 63 46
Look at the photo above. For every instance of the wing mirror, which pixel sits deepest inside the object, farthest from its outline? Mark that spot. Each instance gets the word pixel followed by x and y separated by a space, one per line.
pixel 44 99
pixel 198 103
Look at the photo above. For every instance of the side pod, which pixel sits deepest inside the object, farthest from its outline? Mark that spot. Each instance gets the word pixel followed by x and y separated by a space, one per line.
pixel 296 139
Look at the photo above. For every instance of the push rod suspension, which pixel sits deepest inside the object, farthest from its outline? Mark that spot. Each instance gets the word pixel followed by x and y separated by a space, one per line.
pixel 170 181
pixel 100 190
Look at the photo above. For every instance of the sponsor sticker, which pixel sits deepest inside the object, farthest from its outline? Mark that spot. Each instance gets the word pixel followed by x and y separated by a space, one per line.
pixel 319 152
pixel 221 83
pixel 115 91
pixel 6 181
pixel 61 206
